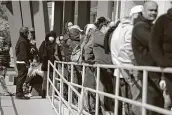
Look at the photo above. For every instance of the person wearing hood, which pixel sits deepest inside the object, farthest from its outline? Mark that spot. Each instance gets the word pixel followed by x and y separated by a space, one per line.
pixel 122 54
pixel 48 50
pixel 161 46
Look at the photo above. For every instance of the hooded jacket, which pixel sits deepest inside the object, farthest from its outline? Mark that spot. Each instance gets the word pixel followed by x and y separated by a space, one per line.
pixel 161 40
pixel 121 50
pixel 48 51
pixel 98 49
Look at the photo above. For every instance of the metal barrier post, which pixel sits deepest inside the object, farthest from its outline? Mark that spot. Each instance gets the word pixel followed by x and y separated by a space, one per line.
pixel 82 92
pixel 117 92
pixel 48 73
pixel 116 97
pixel 83 74
pixel 53 92
pixel 69 89
pixel 144 93
pixel 61 90
pixel 97 88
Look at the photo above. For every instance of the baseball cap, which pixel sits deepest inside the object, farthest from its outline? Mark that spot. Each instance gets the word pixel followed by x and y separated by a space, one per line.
pixel 136 9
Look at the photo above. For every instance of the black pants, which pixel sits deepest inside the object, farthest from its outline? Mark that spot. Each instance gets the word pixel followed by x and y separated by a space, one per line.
pixel 168 80
pixel 32 80
pixel 106 78
pixel 22 73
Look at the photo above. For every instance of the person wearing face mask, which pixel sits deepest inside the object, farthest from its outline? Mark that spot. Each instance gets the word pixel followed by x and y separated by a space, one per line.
pixel 48 51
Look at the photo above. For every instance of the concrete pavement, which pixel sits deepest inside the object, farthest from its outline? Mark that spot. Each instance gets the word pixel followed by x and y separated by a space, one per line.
pixel 34 106
pixel 12 106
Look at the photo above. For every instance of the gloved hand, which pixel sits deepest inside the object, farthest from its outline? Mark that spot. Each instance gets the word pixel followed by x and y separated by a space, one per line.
pixel 162 84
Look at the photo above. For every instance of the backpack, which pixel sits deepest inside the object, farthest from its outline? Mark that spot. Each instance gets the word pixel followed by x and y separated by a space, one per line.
pixel 76 54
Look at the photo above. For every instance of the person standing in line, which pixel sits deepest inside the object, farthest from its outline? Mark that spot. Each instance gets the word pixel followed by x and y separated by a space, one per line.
pixel 22 53
pixel 140 45
pixel 161 49
pixel 48 51
pixel 106 75
pixel 122 54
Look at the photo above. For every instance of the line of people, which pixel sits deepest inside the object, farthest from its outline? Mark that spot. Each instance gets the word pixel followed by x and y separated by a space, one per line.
pixel 132 40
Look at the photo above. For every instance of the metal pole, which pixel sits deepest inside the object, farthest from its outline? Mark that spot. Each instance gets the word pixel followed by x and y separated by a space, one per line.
pixel 48 73
pixel 117 93
pixel 61 90
pixel 53 92
pixel 63 16
pixel 69 89
pixel 117 9
pixel 52 15
pixel 82 92
pixel 144 93
pixel 97 88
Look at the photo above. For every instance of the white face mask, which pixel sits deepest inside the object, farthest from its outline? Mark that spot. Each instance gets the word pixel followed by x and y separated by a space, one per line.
pixel 51 39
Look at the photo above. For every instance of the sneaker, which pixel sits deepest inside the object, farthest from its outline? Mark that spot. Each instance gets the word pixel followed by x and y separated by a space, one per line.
pixel 28 95
pixel 23 97
pixel 26 88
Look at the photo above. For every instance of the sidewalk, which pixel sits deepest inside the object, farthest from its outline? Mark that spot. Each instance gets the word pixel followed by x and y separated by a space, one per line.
pixel 34 106
pixel 12 106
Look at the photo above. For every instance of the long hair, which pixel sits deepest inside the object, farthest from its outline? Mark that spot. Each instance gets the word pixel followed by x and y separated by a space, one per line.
pixel 100 22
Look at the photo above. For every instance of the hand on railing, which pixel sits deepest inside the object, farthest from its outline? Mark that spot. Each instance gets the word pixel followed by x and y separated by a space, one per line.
pixel 162 84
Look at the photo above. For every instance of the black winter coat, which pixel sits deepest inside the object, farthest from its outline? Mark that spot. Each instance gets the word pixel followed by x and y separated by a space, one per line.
pixel 48 51
pixel 140 42
pixel 22 50
pixel 161 40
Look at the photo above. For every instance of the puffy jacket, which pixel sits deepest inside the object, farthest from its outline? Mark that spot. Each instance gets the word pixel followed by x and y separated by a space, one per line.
pixel 121 50
pixel 98 49
pixel 48 51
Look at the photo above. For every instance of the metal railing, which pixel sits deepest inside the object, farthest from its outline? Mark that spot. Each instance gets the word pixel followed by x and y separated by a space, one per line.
pixel 72 109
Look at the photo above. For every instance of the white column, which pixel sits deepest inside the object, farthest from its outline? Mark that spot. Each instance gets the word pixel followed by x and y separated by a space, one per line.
pixel 104 8
pixel 127 5
pixel 163 6
pixel 26 13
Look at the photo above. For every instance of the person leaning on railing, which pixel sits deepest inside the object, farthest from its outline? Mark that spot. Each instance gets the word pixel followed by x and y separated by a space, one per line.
pixel 141 35
pixel 106 75
pixel 161 46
